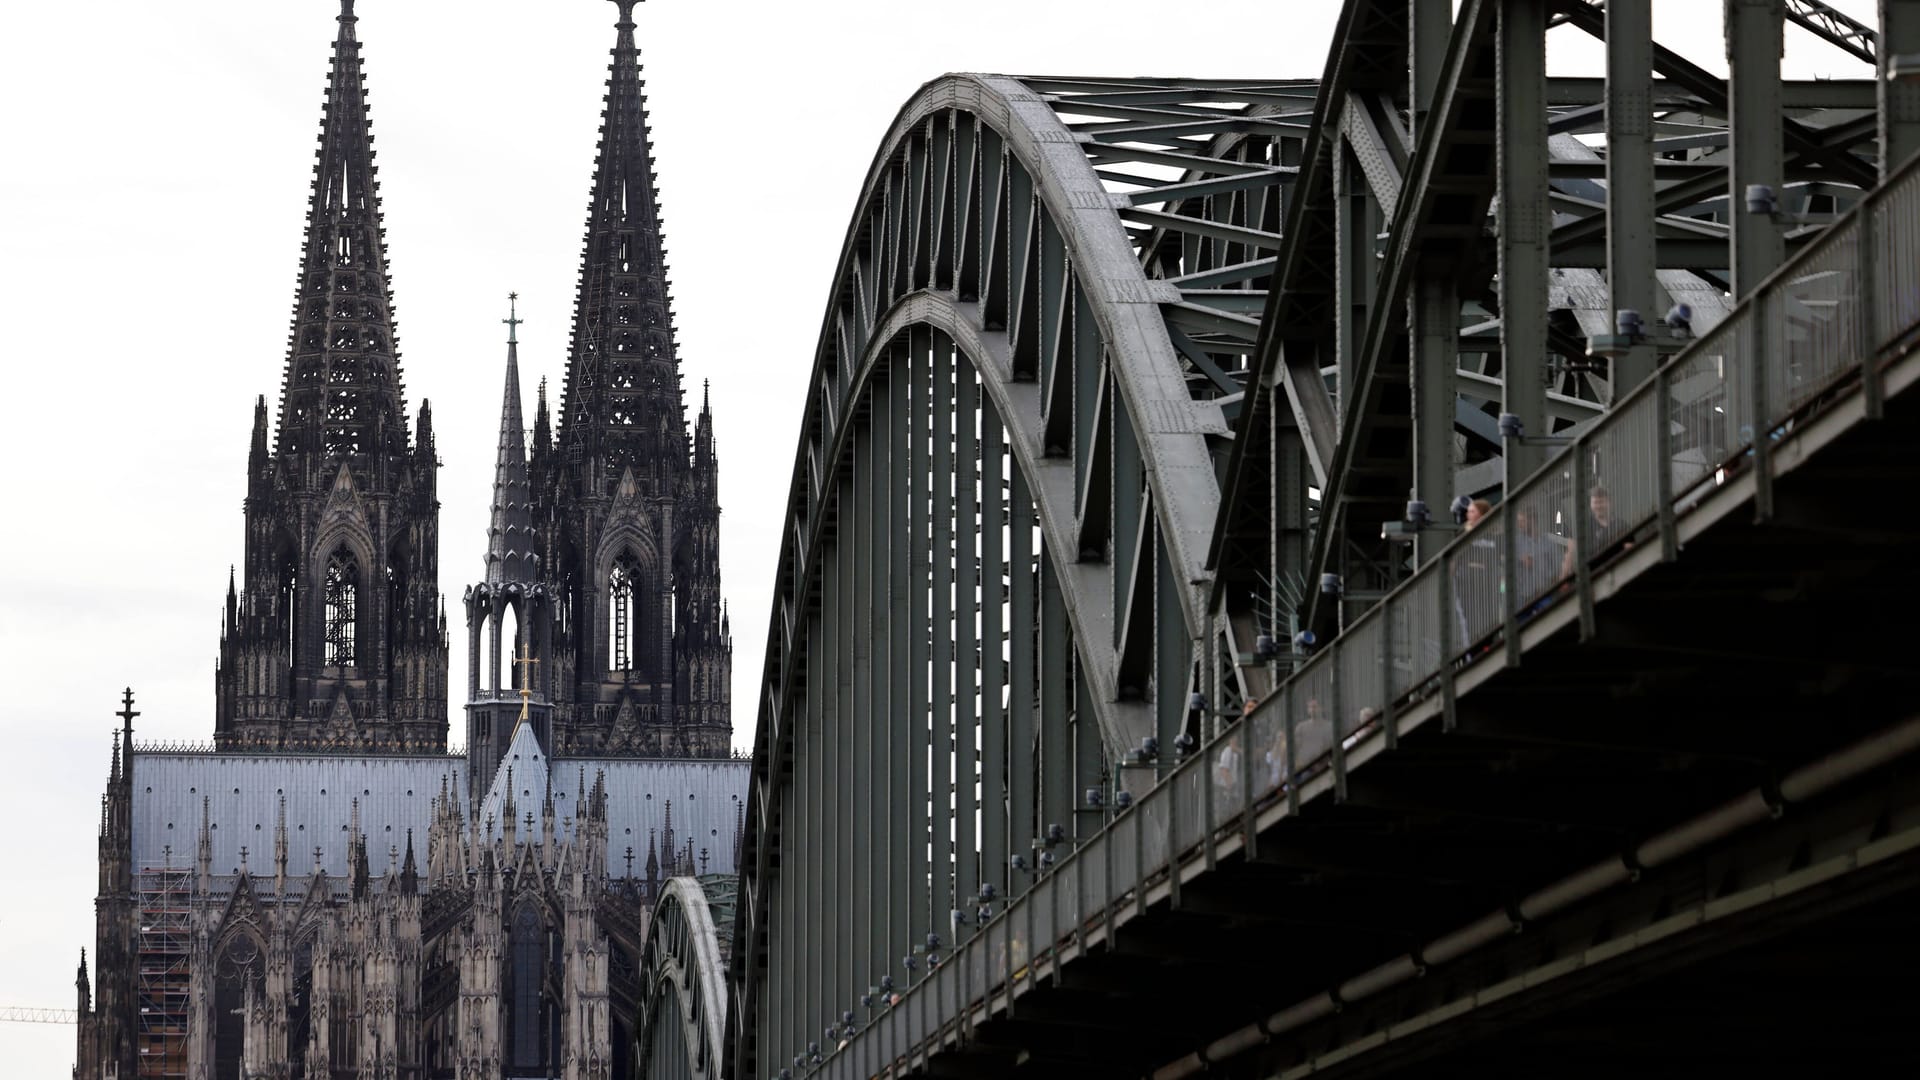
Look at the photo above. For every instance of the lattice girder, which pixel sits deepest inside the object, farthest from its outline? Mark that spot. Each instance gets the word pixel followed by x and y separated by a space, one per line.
pixel 990 274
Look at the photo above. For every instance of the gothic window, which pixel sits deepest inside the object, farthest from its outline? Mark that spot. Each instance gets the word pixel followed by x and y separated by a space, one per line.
pixel 238 964
pixel 511 644
pixel 396 609
pixel 300 1011
pixel 528 953
pixel 623 630
pixel 289 585
pixel 342 587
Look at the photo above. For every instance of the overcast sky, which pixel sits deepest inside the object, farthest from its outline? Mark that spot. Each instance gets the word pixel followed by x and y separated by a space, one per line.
pixel 150 226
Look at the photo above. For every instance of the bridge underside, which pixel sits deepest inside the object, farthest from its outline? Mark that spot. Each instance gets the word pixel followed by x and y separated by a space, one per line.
pixel 1772 945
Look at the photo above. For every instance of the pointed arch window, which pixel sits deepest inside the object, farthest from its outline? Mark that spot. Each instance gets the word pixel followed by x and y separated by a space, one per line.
pixel 237 969
pixel 342 589
pixel 623 610
pixel 528 953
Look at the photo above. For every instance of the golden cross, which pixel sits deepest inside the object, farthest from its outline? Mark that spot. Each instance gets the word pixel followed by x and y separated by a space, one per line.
pixel 525 663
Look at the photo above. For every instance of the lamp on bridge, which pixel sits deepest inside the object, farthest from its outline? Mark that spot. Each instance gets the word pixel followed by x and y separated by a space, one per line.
pixel 1419 519
pixel 1512 430
pixel 1762 201
pixel 1630 331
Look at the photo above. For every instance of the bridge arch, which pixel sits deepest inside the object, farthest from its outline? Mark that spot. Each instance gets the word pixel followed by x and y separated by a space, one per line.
pixel 683 1002
pixel 1006 477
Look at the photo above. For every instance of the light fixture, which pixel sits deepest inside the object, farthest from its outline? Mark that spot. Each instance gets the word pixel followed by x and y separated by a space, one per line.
pixel 1513 430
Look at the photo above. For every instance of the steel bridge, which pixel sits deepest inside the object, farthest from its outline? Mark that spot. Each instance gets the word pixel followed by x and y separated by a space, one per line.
pixel 1137 704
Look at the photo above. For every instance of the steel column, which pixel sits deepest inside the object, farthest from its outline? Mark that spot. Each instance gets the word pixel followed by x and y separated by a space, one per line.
pixel 901 773
pixel 1021 625
pixel 889 410
pixel 945 768
pixel 966 608
pixel 1755 37
pixel 918 713
pixel 1356 221
pixel 1434 309
pixel 1525 222
pixel 866 889
pixel 1429 25
pixel 1899 101
pixel 995 844
pixel 837 864
pixel 1630 205
pixel 1056 736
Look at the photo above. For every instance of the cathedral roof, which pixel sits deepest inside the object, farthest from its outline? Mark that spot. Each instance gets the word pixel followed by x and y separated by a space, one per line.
pixel 701 795
pixel 242 792
pixel 242 797
pixel 519 784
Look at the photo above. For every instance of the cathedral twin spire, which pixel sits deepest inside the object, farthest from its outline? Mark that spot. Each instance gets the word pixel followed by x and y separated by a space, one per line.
pixel 603 543
pixel 336 638
pixel 622 407
pixel 335 635
pixel 342 398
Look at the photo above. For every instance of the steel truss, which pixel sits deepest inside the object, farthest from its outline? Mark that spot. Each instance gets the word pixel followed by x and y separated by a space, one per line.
pixel 1040 326
pixel 1382 367
pixel 1113 371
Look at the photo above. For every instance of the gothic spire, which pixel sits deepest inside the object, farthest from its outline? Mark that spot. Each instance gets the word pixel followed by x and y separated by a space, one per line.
pixel 542 424
pixel 83 985
pixel 409 871
pixel 739 834
pixel 510 532
pixel 342 396
pixel 280 850
pixel 666 835
pixel 622 403
pixel 257 448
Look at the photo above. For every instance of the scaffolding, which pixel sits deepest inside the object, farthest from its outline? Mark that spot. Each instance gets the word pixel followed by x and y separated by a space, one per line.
pixel 162 988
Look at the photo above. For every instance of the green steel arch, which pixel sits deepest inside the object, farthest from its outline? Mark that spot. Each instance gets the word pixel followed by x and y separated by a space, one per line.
pixel 1006 477
pixel 683 1001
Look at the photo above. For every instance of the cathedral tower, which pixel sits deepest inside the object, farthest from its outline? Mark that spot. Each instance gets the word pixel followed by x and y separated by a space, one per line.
pixel 334 636
pixel 509 613
pixel 642 660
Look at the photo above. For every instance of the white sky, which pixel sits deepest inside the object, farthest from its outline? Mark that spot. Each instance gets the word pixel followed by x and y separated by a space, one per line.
pixel 150 226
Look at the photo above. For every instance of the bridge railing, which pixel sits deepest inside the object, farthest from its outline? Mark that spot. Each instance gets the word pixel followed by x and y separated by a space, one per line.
pixel 1822 322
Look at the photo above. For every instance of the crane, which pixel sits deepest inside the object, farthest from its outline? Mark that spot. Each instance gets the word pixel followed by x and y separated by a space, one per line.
pixel 23 1014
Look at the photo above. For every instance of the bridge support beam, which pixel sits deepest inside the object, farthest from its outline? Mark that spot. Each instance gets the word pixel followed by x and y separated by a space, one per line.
pixel 1525 223
pixel 1433 304
pixel 1899 101
pixel 1630 203
pixel 1755 37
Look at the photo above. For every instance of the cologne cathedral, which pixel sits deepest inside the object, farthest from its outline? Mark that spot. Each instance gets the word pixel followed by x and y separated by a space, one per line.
pixel 327 892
